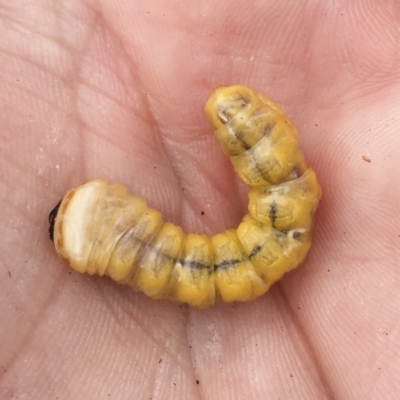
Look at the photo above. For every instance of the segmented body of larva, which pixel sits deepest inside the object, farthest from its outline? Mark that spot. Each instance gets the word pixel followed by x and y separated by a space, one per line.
pixel 103 229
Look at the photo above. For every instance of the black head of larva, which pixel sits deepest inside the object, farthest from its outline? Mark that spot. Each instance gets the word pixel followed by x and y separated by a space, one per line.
pixel 52 219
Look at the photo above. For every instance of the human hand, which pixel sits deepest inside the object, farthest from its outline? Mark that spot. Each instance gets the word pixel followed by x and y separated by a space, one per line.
pixel 116 90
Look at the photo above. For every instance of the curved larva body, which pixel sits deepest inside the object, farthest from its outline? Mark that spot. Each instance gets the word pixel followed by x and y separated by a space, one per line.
pixel 103 229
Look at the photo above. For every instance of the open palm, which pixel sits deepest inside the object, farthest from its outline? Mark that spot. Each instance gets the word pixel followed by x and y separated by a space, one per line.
pixel 115 90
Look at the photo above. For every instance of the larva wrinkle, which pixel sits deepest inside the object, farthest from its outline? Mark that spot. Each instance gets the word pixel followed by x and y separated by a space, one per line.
pixel 103 229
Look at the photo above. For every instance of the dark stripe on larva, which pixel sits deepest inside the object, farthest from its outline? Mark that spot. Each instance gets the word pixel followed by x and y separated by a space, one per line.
pixel 227 264
pixel 239 136
pixel 255 251
pixel 273 211
pixel 193 264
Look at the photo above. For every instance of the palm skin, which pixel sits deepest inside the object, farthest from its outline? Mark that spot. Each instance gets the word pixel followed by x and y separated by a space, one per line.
pixel 116 90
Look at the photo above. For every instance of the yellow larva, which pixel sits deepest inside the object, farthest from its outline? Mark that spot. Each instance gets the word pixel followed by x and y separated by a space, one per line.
pixel 103 229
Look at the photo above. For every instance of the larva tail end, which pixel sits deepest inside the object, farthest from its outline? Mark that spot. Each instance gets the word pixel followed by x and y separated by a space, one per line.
pixel 52 219
pixel 225 102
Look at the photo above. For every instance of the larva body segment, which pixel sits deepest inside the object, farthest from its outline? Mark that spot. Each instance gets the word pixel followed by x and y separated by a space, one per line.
pixel 103 229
